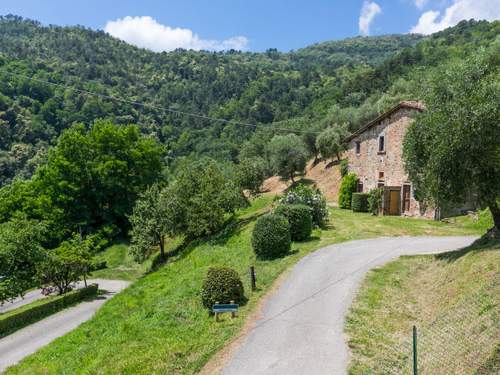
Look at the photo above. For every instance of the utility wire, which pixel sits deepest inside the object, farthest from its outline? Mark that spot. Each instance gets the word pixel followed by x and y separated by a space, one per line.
pixel 153 106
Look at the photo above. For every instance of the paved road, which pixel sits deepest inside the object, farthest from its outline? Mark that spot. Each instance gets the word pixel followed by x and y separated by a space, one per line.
pixel 34 295
pixel 301 331
pixel 26 341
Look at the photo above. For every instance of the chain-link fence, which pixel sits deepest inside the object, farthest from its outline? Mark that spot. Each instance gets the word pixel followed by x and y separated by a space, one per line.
pixel 465 339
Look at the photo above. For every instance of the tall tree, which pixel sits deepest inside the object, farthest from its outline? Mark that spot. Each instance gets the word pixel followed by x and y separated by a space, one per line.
pixel 453 148
pixel 93 177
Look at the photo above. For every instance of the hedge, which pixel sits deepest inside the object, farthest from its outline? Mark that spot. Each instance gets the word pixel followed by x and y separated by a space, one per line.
pixel 300 219
pixel 375 200
pixel 21 317
pixel 360 202
pixel 221 285
pixel 348 186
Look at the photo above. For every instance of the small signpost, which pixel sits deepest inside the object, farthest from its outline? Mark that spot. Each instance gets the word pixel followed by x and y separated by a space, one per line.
pixel 226 307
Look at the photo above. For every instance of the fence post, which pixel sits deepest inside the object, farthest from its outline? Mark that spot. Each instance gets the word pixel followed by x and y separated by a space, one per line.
pixel 252 278
pixel 415 367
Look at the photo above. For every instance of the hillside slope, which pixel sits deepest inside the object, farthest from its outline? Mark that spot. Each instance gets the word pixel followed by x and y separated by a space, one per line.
pixel 159 326
pixel 325 175
pixel 258 88
pixel 452 299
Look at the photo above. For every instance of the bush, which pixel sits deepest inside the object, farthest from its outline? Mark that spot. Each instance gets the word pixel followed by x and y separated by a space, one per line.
pixel 344 167
pixel 360 202
pixel 348 186
pixel 375 200
pixel 300 219
pixel 271 236
pixel 310 197
pixel 25 315
pixel 221 285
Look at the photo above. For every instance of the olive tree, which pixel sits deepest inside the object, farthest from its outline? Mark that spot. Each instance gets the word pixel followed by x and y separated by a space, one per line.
pixel 288 155
pixel 453 148
pixel 251 173
pixel 331 141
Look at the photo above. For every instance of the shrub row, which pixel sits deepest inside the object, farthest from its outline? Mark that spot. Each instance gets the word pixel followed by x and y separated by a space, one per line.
pixel 348 186
pixel 375 200
pixel 360 202
pixel 25 315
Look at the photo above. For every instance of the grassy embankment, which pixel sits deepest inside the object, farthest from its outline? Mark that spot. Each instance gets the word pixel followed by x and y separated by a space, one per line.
pixel 158 326
pixel 452 299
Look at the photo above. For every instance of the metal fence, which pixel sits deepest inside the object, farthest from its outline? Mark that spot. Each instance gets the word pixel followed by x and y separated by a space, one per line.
pixel 459 341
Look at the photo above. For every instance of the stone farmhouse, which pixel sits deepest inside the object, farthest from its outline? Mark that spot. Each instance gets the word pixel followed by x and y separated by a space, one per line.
pixel 375 156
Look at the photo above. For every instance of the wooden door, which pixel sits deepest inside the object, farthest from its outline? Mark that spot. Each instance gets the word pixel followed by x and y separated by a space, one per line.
pixel 394 202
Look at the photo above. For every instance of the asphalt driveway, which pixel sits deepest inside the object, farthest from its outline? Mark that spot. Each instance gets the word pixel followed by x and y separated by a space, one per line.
pixel 302 328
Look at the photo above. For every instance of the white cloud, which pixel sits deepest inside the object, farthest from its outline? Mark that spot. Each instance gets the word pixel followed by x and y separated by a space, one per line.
pixel 146 32
pixel 421 3
pixel 433 20
pixel 368 12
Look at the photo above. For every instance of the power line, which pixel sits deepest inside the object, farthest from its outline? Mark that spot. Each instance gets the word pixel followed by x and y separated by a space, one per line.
pixel 153 106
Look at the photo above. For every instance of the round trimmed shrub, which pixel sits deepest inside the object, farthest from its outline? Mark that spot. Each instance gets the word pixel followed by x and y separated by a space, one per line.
pixel 360 202
pixel 222 285
pixel 271 237
pixel 300 219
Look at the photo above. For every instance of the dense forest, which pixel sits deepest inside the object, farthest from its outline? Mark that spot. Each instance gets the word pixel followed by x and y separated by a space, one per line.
pixel 255 88
pixel 45 73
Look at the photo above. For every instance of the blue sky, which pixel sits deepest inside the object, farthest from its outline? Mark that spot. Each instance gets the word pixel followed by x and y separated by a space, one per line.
pixel 252 24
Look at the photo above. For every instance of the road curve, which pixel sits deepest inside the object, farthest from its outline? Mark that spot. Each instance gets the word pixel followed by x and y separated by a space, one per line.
pixel 26 341
pixel 302 327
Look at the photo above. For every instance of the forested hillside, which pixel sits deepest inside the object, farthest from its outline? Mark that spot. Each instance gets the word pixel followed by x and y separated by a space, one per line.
pixel 251 87
pixel 340 81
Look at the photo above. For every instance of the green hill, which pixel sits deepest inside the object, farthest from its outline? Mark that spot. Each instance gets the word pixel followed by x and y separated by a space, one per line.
pixel 357 76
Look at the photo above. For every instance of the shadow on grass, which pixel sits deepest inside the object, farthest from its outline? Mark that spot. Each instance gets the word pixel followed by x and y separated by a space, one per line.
pixel 482 244
pixel 302 181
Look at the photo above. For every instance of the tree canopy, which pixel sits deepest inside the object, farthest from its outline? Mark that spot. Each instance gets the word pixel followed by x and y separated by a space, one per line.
pixel 452 150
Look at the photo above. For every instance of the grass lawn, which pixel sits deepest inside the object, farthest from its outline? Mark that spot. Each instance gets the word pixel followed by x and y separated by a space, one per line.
pixel 452 299
pixel 158 325
pixel 120 264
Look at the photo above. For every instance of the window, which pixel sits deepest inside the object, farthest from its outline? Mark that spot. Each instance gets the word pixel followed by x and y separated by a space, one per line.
pixel 381 143
pixel 360 187
pixel 380 184
pixel 380 175
pixel 358 147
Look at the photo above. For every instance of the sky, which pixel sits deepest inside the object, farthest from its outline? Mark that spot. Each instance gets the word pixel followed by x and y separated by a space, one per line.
pixel 251 25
